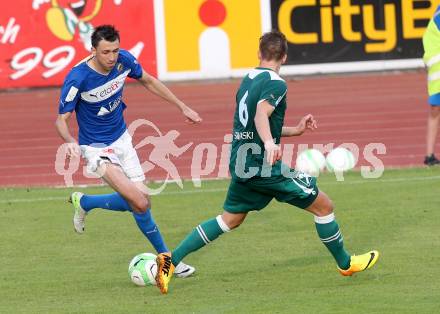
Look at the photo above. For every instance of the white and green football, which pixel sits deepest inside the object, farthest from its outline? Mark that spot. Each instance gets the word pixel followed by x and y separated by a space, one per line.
pixel 143 269
pixel 340 159
pixel 311 162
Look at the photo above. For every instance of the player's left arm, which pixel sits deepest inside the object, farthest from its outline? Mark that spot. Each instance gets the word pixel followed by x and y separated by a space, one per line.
pixel 158 88
pixel 307 122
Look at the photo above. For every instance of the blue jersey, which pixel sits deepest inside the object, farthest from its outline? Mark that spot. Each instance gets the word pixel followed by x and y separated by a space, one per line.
pixel 97 99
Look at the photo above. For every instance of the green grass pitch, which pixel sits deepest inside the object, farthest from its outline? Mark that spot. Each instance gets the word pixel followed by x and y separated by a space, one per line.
pixel 273 263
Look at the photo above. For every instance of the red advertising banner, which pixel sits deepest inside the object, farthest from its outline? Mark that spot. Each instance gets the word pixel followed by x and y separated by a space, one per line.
pixel 41 40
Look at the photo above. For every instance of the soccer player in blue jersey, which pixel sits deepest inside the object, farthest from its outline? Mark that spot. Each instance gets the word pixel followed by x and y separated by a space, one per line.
pixel 93 89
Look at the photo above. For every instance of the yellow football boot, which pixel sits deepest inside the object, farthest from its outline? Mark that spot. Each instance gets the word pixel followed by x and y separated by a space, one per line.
pixel 360 263
pixel 165 270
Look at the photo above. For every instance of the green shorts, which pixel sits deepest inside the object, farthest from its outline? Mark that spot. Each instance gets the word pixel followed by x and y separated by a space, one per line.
pixel 256 193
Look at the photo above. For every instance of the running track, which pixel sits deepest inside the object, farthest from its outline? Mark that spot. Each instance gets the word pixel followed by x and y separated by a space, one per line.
pixel 388 108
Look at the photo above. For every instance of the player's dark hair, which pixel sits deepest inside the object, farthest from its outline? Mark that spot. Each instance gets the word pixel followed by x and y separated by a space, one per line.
pixel 273 46
pixel 106 32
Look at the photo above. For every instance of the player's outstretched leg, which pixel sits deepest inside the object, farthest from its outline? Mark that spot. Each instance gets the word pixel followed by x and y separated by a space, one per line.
pixel 331 236
pixel 113 201
pixel 360 263
pixel 79 214
pixel 203 234
pixel 83 203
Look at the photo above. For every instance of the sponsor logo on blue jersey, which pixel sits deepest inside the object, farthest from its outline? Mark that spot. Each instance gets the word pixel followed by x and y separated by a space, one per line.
pixel 110 107
pixel 107 90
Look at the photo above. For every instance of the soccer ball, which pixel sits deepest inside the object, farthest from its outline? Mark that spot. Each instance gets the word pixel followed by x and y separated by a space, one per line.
pixel 311 162
pixel 143 269
pixel 340 159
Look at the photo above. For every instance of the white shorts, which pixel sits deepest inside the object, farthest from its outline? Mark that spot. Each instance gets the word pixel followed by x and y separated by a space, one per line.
pixel 121 152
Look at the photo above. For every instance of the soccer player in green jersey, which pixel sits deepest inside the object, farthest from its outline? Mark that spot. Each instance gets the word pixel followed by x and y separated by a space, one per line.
pixel 257 172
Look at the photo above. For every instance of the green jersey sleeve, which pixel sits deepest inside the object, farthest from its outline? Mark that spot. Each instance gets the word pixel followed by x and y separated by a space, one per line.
pixel 273 91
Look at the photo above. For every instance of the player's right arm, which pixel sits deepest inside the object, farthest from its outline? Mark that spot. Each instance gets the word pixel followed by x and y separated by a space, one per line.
pixel 61 124
pixel 272 93
pixel 264 111
pixel 68 100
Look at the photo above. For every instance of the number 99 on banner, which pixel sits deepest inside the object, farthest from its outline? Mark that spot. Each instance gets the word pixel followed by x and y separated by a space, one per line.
pixel 55 61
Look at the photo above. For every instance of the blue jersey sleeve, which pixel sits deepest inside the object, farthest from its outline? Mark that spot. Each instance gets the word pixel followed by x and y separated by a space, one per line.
pixel 70 93
pixel 129 61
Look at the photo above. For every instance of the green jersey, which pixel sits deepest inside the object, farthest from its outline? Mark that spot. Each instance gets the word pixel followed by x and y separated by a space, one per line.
pixel 247 151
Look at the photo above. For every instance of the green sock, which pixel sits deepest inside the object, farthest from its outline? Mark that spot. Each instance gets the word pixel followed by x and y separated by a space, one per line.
pixel 330 235
pixel 199 237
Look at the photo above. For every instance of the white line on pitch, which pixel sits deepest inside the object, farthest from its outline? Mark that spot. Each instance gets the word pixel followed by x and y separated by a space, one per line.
pixel 364 181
